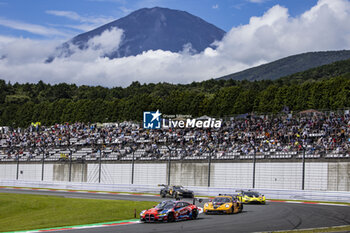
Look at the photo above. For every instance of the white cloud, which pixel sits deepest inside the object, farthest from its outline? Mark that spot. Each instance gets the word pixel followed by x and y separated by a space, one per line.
pixel 87 23
pixel 276 34
pixel 125 10
pixel 216 6
pixel 266 38
pixel 75 16
pixel 98 46
pixel 32 28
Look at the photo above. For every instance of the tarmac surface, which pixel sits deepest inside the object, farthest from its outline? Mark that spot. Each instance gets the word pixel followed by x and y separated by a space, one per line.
pixel 273 216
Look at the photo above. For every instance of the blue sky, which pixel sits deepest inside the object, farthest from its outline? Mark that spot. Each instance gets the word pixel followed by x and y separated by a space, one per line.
pixel 65 18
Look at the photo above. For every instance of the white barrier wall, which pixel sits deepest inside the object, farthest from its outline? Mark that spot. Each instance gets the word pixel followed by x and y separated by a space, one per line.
pixel 150 173
pixel 238 175
pixel 316 176
pixel 338 176
pixel 320 176
pixel 29 171
pixel 189 174
pixel 278 175
pixel 116 173
pixel 8 171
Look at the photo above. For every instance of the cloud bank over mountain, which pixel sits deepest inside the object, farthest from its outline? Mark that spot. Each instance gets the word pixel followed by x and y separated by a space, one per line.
pixel 266 38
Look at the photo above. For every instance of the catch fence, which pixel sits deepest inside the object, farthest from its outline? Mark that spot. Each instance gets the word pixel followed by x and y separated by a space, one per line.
pixel 278 170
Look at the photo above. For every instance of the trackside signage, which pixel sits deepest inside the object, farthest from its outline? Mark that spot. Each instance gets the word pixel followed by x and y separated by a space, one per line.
pixel 153 120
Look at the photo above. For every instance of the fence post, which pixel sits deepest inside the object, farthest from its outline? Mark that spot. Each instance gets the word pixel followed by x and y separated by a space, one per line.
pixel 211 150
pixel 169 168
pixel 209 165
pixel 303 175
pixel 70 166
pixel 82 170
pixel 42 166
pixel 254 163
pixel 17 167
pixel 132 166
pixel 169 159
pixel 99 167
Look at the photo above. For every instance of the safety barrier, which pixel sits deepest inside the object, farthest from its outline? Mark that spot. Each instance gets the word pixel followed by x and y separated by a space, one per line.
pixel 332 196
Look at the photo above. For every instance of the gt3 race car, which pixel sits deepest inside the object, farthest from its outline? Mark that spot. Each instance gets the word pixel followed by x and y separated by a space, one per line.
pixel 170 211
pixel 224 204
pixel 176 191
pixel 252 197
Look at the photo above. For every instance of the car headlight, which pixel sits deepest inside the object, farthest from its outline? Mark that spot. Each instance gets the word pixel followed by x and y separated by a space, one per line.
pixel 206 205
pixel 227 205
pixel 142 212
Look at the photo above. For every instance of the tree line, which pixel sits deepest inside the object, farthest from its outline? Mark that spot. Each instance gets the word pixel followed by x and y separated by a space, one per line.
pixel 21 104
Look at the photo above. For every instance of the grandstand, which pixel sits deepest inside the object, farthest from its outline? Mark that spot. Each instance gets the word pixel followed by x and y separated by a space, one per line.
pixel 319 136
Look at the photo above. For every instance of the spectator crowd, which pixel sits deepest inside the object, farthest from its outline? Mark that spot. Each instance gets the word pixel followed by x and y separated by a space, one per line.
pixel 316 133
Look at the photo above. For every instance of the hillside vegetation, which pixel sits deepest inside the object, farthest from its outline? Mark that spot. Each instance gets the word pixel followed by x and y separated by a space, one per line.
pixel 326 87
pixel 289 65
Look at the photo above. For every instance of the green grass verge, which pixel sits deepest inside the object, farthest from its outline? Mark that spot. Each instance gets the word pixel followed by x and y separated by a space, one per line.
pixel 80 190
pixel 25 212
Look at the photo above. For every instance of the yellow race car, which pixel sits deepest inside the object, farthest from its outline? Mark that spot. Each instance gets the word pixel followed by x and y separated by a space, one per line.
pixel 252 197
pixel 223 204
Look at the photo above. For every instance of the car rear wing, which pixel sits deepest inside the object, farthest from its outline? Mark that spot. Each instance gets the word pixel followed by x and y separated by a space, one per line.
pixel 231 194
pixel 236 196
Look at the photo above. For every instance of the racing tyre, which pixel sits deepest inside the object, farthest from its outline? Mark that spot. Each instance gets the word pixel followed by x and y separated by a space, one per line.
pixel 171 217
pixel 194 214
pixel 232 209
pixel 241 208
pixel 162 194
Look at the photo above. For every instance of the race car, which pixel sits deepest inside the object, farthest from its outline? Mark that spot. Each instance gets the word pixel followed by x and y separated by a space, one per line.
pixel 252 197
pixel 223 204
pixel 170 211
pixel 176 191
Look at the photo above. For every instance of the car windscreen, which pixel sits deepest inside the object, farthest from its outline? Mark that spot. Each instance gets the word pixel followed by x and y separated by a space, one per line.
pixel 165 205
pixel 177 187
pixel 251 194
pixel 221 199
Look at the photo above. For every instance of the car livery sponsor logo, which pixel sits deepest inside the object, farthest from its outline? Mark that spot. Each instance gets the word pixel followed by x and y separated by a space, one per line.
pixel 183 211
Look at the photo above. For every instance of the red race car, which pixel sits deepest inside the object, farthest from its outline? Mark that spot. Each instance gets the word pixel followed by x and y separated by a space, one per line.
pixel 170 211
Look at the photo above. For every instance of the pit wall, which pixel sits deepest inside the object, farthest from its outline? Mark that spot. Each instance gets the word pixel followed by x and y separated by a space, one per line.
pixel 319 176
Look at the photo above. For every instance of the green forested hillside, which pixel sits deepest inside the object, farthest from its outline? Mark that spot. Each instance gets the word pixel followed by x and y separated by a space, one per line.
pixel 290 65
pixel 326 87
pixel 327 71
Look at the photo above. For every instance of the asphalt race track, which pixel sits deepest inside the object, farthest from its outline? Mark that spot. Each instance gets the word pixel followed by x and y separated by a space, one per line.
pixel 255 218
